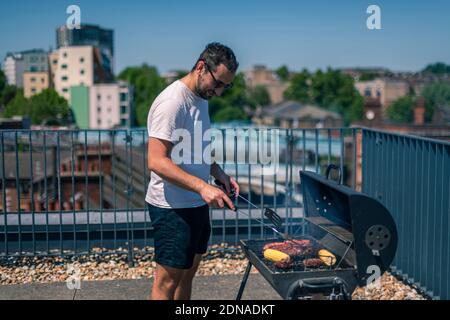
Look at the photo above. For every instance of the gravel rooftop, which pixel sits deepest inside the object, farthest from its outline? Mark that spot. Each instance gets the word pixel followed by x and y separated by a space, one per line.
pixel 221 260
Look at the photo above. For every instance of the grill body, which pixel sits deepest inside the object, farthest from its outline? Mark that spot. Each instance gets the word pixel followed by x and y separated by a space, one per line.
pixel 356 228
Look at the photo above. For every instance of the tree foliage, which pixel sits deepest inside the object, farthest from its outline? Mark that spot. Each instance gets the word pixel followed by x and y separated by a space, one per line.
pixel 283 73
pixel 331 90
pixel 46 107
pixel 436 94
pixel 401 110
pixel 438 68
pixel 232 102
pixel 260 96
pixel 299 89
pixel 147 85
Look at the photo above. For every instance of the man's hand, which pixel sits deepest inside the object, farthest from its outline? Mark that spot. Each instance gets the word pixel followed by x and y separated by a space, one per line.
pixel 219 174
pixel 215 197
pixel 234 185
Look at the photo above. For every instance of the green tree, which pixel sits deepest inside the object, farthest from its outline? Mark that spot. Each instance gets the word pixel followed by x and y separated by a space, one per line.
pixel 232 100
pixel 229 113
pixel 401 110
pixel 46 107
pixel 260 96
pixel 230 105
pixel 299 88
pixel 18 106
pixel 147 85
pixel 336 92
pixel 283 73
pixel 8 93
pixel 436 94
pixel 438 68
pixel 2 80
pixel 331 90
pixel 49 106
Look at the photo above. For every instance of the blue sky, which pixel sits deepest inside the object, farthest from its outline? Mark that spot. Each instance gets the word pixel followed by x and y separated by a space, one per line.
pixel 170 34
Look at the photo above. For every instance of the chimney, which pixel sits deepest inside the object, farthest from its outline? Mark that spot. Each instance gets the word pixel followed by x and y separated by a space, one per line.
pixel 419 111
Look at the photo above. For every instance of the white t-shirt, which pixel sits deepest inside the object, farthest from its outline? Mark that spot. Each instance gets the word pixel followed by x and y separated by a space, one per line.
pixel 178 111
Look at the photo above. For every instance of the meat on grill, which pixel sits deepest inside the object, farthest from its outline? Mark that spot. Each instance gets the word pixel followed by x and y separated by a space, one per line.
pixel 292 247
pixel 283 264
pixel 313 263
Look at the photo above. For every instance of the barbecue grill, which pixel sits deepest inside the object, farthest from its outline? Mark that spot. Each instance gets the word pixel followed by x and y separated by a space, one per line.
pixel 356 228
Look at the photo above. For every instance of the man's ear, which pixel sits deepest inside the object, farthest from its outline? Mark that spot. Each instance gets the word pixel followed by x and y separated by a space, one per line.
pixel 199 67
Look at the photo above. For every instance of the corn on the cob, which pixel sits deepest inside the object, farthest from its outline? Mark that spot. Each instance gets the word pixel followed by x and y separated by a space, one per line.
pixel 327 257
pixel 276 256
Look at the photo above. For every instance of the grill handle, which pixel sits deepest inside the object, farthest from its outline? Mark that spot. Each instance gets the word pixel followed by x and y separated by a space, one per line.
pixel 335 167
pixel 334 284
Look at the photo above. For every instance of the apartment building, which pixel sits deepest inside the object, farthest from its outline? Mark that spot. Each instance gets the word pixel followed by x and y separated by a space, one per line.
pixel 17 63
pixel 102 106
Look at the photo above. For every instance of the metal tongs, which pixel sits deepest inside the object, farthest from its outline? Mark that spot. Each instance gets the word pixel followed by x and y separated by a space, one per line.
pixel 273 217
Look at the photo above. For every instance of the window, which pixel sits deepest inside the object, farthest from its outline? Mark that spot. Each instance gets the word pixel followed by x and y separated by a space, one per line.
pixel 99 97
pixel 65 54
pixel 55 61
pixel 108 97
pixel 64 78
pixel 123 97
pixel 123 122
pixel 33 69
pixel 33 90
pixel 81 60
pixel 64 66
pixel 33 79
pixel 99 121
pixel 82 71
pixel 123 109
pixel 65 90
pixel 109 110
pixel 42 80
pixel 368 92
pixel 99 109
pixel 378 93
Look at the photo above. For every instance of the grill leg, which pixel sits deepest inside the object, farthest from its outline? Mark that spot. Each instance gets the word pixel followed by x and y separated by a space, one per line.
pixel 244 281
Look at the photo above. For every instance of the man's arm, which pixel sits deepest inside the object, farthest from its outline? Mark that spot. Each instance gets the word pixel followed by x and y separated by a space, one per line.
pixel 159 161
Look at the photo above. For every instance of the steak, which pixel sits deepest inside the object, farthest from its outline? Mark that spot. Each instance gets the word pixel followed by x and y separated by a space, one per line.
pixel 293 248
pixel 313 263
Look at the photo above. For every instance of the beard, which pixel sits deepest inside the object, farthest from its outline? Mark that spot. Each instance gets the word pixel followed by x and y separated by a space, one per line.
pixel 203 92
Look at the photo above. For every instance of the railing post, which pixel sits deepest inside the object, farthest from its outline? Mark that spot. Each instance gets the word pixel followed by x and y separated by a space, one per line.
pixel 129 191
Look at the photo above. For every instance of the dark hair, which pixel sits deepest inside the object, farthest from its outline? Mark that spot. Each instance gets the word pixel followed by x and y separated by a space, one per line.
pixel 215 54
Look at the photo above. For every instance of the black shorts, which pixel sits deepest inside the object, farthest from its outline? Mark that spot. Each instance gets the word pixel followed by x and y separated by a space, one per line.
pixel 179 234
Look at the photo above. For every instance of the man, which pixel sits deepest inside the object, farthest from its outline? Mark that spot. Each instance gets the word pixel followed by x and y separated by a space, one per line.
pixel 178 195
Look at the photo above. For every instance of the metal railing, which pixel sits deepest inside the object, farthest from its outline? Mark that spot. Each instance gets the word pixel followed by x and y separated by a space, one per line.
pixel 411 177
pixel 66 192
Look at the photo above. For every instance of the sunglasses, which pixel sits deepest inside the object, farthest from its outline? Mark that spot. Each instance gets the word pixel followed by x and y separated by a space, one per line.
pixel 218 83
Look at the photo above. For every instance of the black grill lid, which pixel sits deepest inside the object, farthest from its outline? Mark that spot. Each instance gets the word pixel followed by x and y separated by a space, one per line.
pixel 352 217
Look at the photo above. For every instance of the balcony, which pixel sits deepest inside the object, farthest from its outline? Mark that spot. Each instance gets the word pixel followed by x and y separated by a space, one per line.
pixel 67 192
